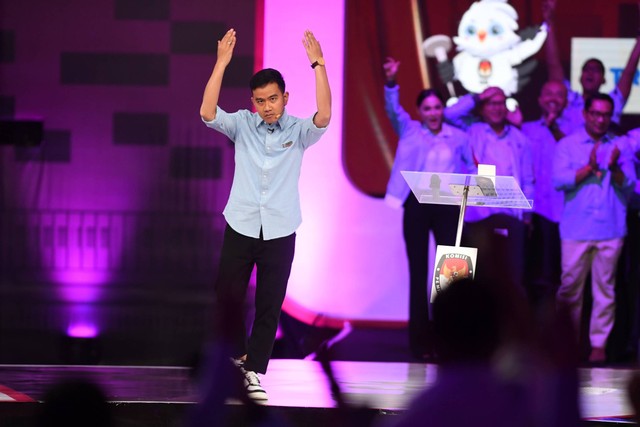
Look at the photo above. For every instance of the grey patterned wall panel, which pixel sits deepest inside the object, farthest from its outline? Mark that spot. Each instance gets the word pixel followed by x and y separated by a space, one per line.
pixel 7 106
pixel 7 46
pixel 55 147
pixel 196 37
pixel 239 72
pixel 196 162
pixel 125 69
pixel 140 128
pixel 145 10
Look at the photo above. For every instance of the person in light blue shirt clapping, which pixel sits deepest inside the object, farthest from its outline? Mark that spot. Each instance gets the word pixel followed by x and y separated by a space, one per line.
pixel 595 170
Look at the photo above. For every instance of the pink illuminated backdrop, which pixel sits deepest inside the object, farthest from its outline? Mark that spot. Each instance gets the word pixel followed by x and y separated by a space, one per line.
pixel 350 260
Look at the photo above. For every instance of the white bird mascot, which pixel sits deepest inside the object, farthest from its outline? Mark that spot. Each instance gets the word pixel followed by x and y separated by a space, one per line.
pixel 490 49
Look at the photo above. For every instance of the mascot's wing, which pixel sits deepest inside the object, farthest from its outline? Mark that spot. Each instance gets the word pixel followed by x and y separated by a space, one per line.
pixel 528 47
pixel 529 33
pixel 524 71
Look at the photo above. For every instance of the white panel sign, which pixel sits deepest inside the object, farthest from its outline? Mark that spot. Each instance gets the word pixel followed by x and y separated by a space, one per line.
pixel 614 53
pixel 452 263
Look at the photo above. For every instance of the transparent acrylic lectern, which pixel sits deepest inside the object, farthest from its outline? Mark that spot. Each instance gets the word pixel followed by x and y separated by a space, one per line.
pixel 462 190
pixel 466 190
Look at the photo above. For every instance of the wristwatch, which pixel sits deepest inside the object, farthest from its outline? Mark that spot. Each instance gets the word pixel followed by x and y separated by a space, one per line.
pixel 319 61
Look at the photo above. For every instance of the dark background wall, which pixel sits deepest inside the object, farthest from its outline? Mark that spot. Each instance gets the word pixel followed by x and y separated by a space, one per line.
pixel 111 224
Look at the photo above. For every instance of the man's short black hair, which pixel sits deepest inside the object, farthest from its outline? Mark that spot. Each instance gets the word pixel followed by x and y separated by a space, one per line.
pixel 425 93
pixel 266 76
pixel 600 97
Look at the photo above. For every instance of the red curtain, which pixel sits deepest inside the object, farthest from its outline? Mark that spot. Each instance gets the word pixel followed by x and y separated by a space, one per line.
pixel 375 29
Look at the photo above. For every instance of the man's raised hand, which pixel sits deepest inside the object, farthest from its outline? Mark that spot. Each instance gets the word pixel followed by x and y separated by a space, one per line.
pixel 225 47
pixel 312 46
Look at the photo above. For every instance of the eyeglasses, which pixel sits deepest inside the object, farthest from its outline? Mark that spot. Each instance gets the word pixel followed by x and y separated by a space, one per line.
pixel 599 114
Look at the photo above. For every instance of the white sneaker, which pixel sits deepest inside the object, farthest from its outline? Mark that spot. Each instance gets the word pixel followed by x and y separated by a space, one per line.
pixel 253 387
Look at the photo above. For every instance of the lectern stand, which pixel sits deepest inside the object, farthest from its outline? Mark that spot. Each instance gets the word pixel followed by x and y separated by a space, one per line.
pixel 454 262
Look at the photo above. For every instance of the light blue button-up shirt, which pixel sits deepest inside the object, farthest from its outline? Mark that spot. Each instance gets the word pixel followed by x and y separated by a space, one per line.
pixel 596 208
pixel 633 138
pixel 264 193
pixel 510 152
pixel 461 114
pixel 421 150
pixel 548 202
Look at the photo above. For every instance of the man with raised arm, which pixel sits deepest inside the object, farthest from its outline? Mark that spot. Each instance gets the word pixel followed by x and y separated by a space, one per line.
pixel 425 145
pixel 592 76
pixel 263 210
pixel 544 238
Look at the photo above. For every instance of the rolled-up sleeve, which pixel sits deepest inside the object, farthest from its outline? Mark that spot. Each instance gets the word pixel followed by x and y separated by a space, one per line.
pixel 309 132
pixel 460 113
pixel 397 115
pixel 224 122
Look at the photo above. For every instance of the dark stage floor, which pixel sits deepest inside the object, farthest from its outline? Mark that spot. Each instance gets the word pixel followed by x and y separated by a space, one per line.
pixel 372 368
pixel 298 391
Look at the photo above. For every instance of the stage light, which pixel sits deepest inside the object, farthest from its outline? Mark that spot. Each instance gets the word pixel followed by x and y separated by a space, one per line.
pixel 81 350
pixel 81 341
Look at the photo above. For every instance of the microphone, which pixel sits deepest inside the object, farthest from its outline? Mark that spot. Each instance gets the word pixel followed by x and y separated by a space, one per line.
pixel 434 185
pixel 270 129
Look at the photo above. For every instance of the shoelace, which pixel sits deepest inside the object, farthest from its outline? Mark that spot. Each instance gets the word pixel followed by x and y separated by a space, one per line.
pixel 252 378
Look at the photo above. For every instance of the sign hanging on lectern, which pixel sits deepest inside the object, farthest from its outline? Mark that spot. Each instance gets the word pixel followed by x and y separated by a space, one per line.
pixel 452 263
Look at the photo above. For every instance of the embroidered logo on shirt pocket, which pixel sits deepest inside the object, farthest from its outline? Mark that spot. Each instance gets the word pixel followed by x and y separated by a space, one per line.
pixel 287 144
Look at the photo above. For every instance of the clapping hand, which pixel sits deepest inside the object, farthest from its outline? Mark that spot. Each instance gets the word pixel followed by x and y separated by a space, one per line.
pixel 613 160
pixel 593 160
